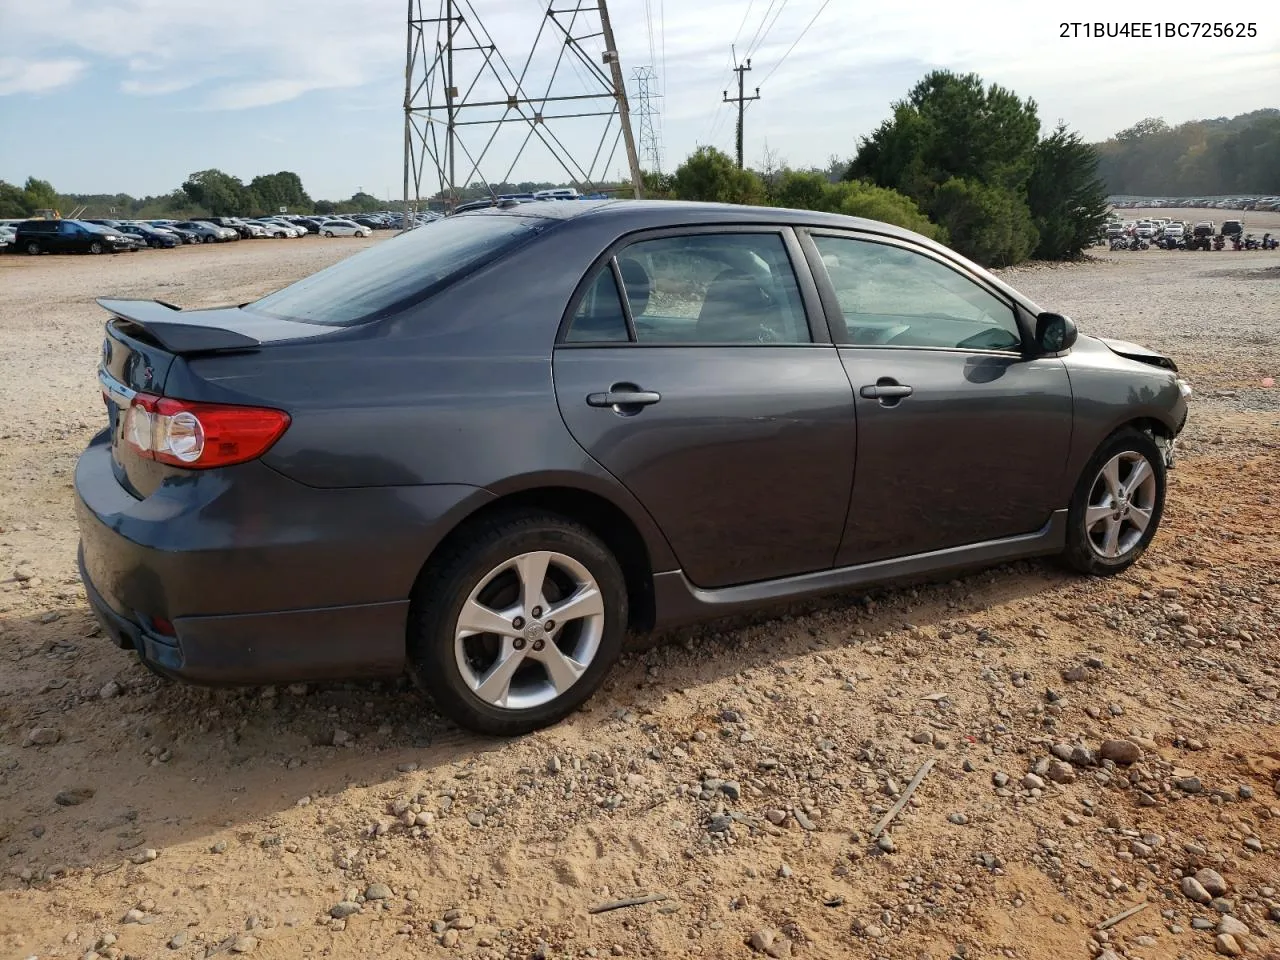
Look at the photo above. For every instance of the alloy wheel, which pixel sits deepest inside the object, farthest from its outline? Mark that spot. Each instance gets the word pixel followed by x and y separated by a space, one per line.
pixel 529 630
pixel 1121 504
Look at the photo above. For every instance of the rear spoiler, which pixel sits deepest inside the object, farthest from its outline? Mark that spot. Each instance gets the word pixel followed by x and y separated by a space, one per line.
pixel 210 331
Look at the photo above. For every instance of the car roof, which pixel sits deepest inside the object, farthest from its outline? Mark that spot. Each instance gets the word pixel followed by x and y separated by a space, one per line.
pixel 676 213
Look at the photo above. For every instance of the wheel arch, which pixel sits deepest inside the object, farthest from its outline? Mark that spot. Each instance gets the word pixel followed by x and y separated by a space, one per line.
pixel 615 527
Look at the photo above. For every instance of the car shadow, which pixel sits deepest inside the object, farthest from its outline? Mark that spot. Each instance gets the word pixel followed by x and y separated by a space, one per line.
pixel 138 762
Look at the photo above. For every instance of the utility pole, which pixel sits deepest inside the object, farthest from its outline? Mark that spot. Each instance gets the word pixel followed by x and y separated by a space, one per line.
pixel 741 100
pixel 620 93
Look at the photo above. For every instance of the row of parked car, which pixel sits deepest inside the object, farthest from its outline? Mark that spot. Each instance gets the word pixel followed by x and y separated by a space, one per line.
pixel 1268 203
pixel 117 236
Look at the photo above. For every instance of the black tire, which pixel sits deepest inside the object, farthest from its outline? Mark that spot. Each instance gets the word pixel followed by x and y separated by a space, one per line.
pixel 443 589
pixel 95 247
pixel 33 248
pixel 1081 552
pixel 208 239
pixel 328 233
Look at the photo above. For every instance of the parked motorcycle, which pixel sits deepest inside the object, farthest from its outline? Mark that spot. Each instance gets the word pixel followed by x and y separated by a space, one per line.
pixel 1219 242
pixel 1251 242
pixel 1269 242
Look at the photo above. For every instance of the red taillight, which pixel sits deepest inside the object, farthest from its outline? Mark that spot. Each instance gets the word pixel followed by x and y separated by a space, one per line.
pixel 184 433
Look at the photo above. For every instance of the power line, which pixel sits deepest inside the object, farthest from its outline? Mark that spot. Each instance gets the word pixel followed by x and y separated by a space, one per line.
pixel 736 36
pixel 768 29
pixel 793 45
pixel 763 20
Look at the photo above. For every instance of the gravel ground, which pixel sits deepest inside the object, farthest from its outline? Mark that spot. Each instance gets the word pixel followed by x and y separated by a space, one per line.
pixel 1093 745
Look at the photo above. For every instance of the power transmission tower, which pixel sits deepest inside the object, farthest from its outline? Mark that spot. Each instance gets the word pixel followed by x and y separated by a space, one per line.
pixel 741 101
pixel 650 148
pixel 461 92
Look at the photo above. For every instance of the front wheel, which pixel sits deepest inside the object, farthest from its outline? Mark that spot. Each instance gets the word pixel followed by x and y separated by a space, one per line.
pixel 1117 505
pixel 95 247
pixel 328 233
pixel 517 625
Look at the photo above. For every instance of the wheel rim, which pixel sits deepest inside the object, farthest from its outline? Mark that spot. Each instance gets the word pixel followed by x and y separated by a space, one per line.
pixel 529 630
pixel 33 248
pixel 1121 505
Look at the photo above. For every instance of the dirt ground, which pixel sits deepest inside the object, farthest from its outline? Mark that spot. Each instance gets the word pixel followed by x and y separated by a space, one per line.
pixel 738 770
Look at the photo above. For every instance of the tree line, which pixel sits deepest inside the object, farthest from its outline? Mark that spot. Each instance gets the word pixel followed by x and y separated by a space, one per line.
pixel 204 193
pixel 1203 158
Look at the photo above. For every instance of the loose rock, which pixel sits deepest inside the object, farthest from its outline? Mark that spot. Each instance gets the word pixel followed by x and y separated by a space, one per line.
pixel 1193 890
pixel 1120 752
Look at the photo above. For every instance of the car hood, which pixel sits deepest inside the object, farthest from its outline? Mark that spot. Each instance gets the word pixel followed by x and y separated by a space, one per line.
pixel 1134 351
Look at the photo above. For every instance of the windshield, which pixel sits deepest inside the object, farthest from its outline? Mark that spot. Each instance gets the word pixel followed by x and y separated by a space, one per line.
pixel 400 272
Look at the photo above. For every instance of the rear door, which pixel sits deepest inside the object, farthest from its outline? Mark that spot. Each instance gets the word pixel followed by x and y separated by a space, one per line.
pixel 713 392
pixel 961 437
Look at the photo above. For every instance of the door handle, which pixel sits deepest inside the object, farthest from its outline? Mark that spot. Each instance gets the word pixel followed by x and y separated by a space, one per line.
pixel 885 391
pixel 623 395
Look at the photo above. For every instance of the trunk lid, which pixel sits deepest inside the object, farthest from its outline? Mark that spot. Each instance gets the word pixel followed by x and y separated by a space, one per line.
pixel 147 339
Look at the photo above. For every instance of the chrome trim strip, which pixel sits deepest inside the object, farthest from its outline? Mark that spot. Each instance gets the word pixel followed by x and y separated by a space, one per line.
pixel 120 394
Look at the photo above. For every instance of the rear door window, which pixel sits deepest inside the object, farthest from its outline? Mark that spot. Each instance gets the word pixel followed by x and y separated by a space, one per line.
pixel 704 288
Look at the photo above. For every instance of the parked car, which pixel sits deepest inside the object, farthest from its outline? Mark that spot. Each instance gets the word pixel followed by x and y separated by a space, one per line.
pixel 228 225
pixel 344 228
pixel 279 228
pixel 674 438
pixel 207 232
pixel 7 235
pixel 1232 228
pixel 150 236
pixel 250 229
pixel 68 236
pixel 183 234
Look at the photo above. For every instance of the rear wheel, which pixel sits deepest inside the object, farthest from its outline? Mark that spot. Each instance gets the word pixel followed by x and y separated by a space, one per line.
pixel 515 627
pixel 33 248
pixel 1117 505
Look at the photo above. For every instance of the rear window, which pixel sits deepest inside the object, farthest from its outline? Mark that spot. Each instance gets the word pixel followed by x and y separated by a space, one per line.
pixel 400 272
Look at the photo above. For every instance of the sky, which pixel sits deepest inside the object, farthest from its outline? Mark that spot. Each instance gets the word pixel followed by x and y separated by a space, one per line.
pixel 106 96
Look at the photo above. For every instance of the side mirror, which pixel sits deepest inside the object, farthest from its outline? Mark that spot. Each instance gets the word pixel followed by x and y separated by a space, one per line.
pixel 1054 333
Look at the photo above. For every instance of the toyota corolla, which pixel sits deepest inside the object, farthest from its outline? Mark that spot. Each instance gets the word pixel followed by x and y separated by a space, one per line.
pixel 484 450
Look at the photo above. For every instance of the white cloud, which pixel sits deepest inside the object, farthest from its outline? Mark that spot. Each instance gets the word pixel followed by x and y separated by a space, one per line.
pixel 37 76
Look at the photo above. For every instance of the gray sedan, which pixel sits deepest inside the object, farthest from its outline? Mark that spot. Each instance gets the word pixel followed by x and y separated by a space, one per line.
pixel 484 450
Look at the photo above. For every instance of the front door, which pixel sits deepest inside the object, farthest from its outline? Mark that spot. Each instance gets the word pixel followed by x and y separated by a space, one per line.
pixel 961 437
pixel 704 392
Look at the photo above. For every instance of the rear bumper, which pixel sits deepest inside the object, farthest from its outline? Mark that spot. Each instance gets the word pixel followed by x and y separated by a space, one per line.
pixel 264 580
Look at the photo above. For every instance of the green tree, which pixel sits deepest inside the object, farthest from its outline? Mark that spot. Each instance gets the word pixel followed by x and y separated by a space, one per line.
pixel 950 125
pixel 13 202
pixel 712 176
pixel 861 199
pixel 220 193
pixel 658 186
pixel 39 195
pixel 1066 198
pixel 990 225
pixel 805 190
pixel 272 191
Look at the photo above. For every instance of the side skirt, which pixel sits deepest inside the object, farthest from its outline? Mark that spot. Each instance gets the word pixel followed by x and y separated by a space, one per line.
pixel 678 601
